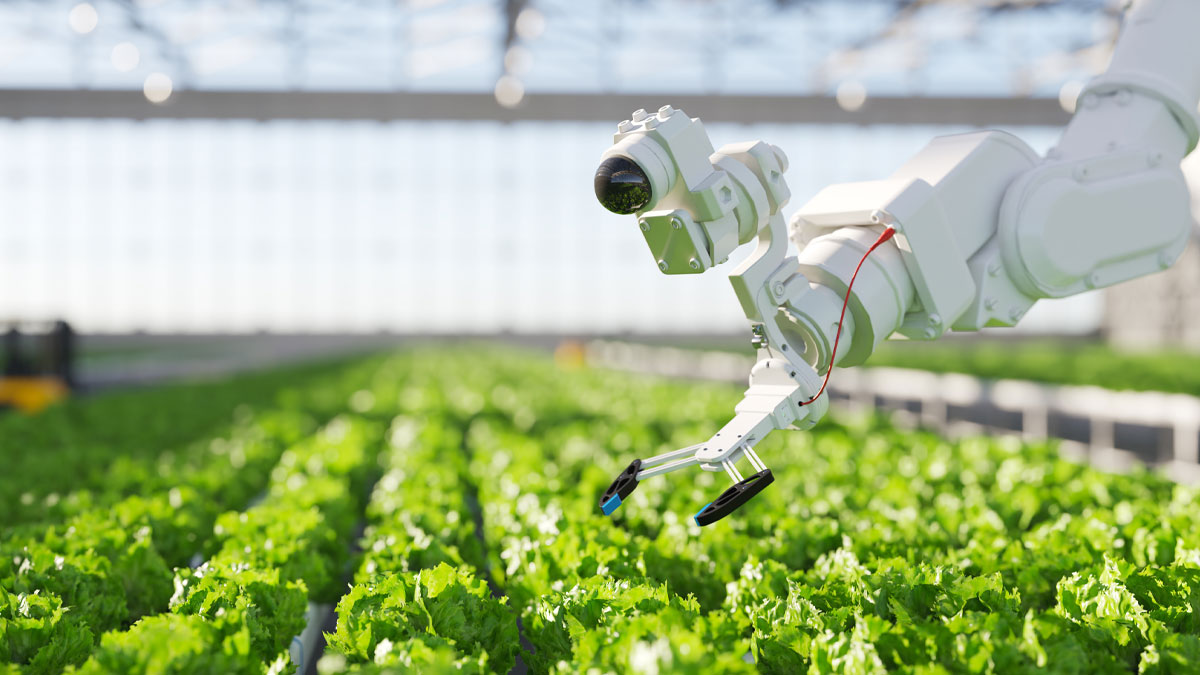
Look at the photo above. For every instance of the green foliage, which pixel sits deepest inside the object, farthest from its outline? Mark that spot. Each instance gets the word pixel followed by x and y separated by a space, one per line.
pixel 1081 362
pixel 117 444
pixel 418 654
pixel 105 556
pixel 445 602
pixel 37 630
pixel 134 561
pixel 629 624
pixel 302 525
pixel 300 543
pixel 876 549
pixel 172 644
pixel 233 598
pixel 85 583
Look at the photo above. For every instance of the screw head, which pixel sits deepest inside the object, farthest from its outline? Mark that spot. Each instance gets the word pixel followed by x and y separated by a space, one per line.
pixel 662 265
pixel 882 217
pixel 644 225
pixel 778 289
pixel 624 126
pixel 639 115
pixel 665 111
pixel 695 264
pixel 676 223
pixel 934 320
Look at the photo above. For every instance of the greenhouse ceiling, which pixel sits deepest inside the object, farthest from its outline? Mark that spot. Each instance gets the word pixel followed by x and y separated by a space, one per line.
pixel 890 48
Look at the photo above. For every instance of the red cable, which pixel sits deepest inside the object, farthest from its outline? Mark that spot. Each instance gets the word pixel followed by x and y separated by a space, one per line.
pixel 888 233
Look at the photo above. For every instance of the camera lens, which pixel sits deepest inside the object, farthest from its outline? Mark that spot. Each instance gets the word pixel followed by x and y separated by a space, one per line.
pixel 621 186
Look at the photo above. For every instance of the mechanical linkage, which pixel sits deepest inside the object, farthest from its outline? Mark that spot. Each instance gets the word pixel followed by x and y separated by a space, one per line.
pixel 983 227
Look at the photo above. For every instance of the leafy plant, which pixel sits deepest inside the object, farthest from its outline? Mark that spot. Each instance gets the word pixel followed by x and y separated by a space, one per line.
pixel 876 549
pixel 177 645
pixel 444 602
pixel 235 598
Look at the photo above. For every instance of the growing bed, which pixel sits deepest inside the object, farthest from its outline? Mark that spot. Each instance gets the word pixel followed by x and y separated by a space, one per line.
pixel 202 546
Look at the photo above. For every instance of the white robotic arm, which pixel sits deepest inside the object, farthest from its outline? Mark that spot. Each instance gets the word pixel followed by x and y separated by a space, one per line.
pixel 983 229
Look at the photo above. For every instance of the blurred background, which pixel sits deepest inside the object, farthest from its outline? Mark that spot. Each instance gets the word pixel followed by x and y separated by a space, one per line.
pixel 225 183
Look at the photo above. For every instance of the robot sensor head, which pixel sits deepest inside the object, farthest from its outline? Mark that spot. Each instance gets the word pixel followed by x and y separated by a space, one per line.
pixel 621 186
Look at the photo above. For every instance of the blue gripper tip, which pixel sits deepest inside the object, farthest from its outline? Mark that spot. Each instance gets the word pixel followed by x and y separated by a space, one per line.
pixel 697 516
pixel 611 505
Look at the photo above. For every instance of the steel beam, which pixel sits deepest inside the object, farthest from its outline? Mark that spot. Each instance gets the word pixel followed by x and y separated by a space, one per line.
pixel 383 106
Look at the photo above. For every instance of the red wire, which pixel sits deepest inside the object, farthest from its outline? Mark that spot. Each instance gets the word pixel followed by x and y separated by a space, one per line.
pixel 888 233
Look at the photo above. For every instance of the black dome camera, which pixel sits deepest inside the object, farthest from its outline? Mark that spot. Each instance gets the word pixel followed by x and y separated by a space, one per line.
pixel 621 186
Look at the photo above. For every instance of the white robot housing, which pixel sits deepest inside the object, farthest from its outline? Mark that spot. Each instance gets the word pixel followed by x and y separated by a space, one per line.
pixel 983 228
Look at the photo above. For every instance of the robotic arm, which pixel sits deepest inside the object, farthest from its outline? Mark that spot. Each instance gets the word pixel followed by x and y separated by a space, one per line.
pixel 983 227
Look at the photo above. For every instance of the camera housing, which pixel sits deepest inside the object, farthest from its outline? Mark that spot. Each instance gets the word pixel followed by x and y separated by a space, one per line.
pixel 622 187
pixel 695 205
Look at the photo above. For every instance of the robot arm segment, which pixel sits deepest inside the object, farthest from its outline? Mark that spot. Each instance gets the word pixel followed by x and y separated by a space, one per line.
pixel 943 204
pixel 983 226
pixel 986 227
pixel 695 206
pixel 1109 203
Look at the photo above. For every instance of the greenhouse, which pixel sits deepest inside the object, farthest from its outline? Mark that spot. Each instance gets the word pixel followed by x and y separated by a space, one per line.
pixel 385 337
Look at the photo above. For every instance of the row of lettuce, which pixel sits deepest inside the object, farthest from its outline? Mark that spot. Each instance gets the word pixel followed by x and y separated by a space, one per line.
pixel 241 609
pixel 421 601
pixel 132 441
pixel 875 550
pixel 477 478
pixel 72 587
pixel 1071 362
pixel 1079 361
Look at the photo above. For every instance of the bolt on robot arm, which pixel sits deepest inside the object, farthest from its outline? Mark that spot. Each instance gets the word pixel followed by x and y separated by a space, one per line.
pixel 983 227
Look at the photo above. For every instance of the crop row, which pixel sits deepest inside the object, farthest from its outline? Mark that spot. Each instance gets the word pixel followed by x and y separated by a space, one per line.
pixel 63 585
pixel 241 609
pixel 874 550
pixel 420 601
pixel 137 441
pixel 1078 363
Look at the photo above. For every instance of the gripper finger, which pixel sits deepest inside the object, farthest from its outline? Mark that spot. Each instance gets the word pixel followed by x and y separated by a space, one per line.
pixel 621 488
pixel 639 469
pixel 733 498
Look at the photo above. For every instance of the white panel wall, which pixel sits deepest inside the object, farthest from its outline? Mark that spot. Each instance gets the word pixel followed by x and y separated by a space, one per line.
pixel 410 227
